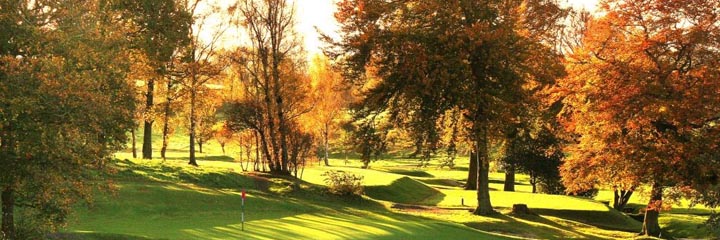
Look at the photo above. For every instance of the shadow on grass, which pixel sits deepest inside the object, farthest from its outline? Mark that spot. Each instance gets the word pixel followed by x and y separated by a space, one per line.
pixel 93 236
pixel 443 182
pixel 542 228
pixel 412 173
pixel 343 224
pixel 503 182
pixel 608 220
pixel 219 158
pixel 154 172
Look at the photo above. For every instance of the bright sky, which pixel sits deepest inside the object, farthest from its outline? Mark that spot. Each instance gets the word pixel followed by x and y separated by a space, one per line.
pixel 319 13
pixel 315 13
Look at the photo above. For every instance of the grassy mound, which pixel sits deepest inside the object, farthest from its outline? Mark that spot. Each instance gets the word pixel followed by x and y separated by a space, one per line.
pixel 402 190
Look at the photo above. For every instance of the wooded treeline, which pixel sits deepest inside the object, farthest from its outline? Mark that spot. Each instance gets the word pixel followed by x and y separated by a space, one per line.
pixel 626 98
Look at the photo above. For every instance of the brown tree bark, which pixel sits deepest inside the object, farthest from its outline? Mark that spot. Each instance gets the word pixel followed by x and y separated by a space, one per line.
pixel 134 146
pixel 166 129
pixel 509 179
pixel 621 198
pixel 471 183
pixel 166 116
pixel 533 182
pixel 483 182
pixel 8 218
pixel 651 226
pixel 147 132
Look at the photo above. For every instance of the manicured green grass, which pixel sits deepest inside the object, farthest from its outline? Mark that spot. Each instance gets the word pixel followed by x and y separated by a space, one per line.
pixel 402 190
pixel 171 200
pixel 150 204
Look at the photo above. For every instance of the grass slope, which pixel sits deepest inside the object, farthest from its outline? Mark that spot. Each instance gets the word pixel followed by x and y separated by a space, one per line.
pixel 170 200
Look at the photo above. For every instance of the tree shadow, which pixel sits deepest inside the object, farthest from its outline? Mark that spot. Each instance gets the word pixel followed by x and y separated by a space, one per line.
pixel 412 173
pixel 543 228
pixel 219 158
pixel 608 220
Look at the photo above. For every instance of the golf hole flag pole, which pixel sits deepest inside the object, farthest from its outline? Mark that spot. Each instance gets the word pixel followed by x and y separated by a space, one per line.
pixel 242 210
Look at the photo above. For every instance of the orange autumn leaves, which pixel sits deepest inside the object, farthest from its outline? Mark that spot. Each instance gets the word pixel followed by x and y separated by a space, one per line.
pixel 642 95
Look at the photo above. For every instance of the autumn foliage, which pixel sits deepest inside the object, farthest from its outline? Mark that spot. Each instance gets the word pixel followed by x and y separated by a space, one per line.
pixel 642 99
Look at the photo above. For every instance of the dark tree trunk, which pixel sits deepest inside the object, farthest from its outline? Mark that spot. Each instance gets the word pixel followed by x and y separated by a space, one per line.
pixel 284 156
pixel 134 146
pixel 8 217
pixel 166 130
pixel 257 153
pixel 533 183
pixel 651 226
pixel 365 161
pixel 200 143
pixel 222 146
pixel 147 132
pixel 621 198
pixel 483 182
pixel 166 117
pixel 534 187
pixel 471 183
pixel 509 178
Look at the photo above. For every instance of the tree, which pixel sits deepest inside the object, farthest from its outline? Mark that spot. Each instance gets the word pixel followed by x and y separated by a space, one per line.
pixel 369 136
pixel 642 101
pixel 206 110
pixel 276 86
pixel 201 64
pixel 537 153
pixel 433 56
pixel 65 106
pixel 160 26
pixel 330 97
pixel 222 134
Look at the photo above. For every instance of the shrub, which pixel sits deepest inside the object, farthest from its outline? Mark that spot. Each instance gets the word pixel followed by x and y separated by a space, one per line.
pixel 343 183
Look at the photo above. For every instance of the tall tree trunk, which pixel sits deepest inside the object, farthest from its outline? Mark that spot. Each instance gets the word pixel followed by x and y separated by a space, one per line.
pixel 282 124
pixel 509 178
pixel 8 217
pixel 272 145
pixel 284 157
pixel 533 183
pixel 483 182
pixel 471 183
pixel 147 132
pixel 327 143
pixel 266 151
pixel 257 153
pixel 192 124
pixel 621 198
pixel 134 146
pixel 166 117
pixel 166 129
pixel 534 187
pixel 651 226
